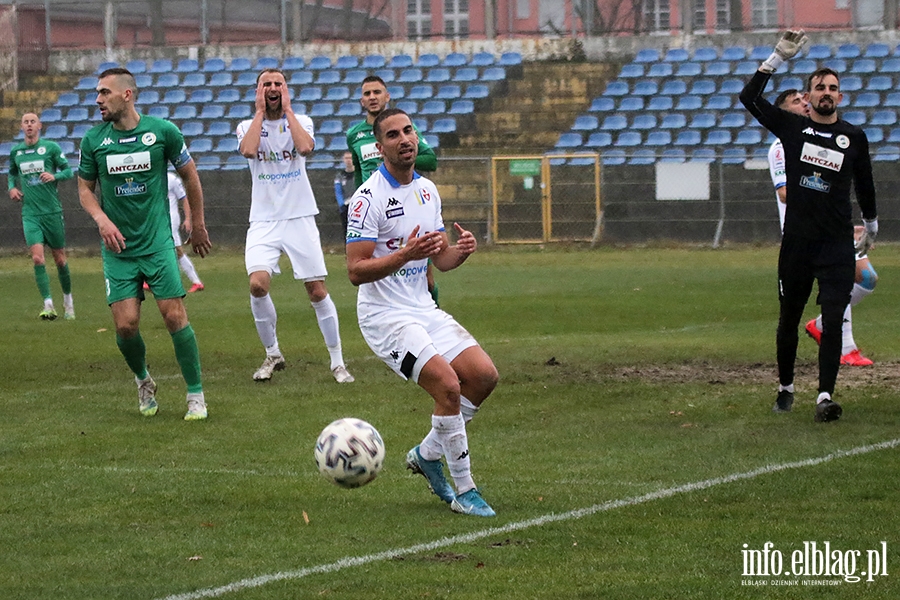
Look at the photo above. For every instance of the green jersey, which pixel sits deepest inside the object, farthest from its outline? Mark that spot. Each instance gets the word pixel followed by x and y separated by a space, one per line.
pixel 26 163
pixel 367 158
pixel 131 168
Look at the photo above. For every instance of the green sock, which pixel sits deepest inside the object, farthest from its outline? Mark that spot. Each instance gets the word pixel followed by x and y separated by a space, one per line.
pixel 65 279
pixel 187 353
pixel 135 353
pixel 43 281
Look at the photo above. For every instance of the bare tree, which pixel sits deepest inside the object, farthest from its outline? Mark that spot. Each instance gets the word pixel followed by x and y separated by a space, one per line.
pixel 608 16
pixel 157 26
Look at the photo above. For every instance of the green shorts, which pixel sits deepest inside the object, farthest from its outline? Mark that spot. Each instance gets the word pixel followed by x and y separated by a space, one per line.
pixel 45 229
pixel 125 276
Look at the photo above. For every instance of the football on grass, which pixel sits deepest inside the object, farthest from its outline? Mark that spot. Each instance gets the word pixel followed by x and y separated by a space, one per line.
pixel 349 452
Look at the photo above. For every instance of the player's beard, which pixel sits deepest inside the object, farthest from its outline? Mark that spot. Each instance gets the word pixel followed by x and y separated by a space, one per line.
pixel 825 111
pixel 273 109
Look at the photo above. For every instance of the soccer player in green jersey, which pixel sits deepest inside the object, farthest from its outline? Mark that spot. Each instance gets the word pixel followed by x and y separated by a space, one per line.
pixel 128 155
pixel 35 165
pixel 366 156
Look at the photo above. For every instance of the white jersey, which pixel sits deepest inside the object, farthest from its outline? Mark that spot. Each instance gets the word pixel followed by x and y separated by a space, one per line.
pixel 176 195
pixel 779 175
pixel 385 212
pixel 281 188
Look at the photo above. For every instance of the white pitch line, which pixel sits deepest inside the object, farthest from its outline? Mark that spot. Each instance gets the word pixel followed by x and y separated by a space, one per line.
pixel 356 561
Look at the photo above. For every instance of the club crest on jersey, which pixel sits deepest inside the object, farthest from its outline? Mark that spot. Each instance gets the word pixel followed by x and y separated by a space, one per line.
pixel 822 157
pixel 422 196
pixel 842 141
pixel 133 162
pixel 42 151
pixel 815 183
pixel 148 139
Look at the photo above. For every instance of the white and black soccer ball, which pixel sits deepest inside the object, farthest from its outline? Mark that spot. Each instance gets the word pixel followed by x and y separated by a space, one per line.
pixel 349 452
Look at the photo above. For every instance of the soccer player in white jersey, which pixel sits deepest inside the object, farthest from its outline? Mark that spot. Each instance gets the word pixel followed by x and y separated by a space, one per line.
pixel 866 277
pixel 394 226
pixel 276 143
pixel 178 196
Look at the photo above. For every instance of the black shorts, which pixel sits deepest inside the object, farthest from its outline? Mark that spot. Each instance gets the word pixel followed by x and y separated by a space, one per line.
pixel 831 263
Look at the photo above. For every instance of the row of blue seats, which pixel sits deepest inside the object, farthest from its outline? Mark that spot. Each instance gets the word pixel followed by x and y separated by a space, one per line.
pixel 166 81
pixel 604 104
pixel 760 53
pixel 319 63
pixel 707 86
pixel 473 91
pixel 658 70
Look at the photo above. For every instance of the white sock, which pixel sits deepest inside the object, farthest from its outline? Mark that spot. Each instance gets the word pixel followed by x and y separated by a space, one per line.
pixel 847 343
pixel 431 448
pixel 48 304
pixel 264 314
pixel 858 293
pixel 326 315
pixel 451 431
pixel 68 303
pixel 789 388
pixel 467 409
pixel 823 396
pixel 188 267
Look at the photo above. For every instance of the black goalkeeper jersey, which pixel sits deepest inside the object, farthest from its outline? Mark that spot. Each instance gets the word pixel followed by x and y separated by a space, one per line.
pixel 821 161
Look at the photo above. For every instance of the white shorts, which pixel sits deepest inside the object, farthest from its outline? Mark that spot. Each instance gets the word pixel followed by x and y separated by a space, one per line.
pixel 298 238
pixel 406 340
pixel 176 234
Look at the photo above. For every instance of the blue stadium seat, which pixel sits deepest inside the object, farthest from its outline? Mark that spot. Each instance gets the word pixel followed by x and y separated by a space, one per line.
pixel 330 127
pixel 632 71
pixel 759 53
pixel 599 139
pixel 602 104
pixel 707 155
pixel 631 104
pixel 200 96
pixel 789 83
pixel 319 63
pixel 818 52
pixel 192 128
pixel 208 162
pixel 321 109
pixel 235 162
pixel 703 121
pixel 644 122
pixel 328 77
pixel 68 99
pixel 645 88
pixel 448 92
pixel 883 118
pixel 238 112
pixel 734 53
pixel 717 102
pixel 266 62
pixel 660 103
pixel 688 69
pixel 429 60
pixel 320 161
pixel 167 80
pixel 874 134
pixel 628 139
pixel 673 87
pixel 57 131
pixel 465 74
pixel 401 61
pixel 717 69
pixel 187 65
pixel 294 63
pixel 585 123
pixel 616 87
pixel 373 61
pixel 733 120
pixel 474 91
pixel 397 92
pixel 346 62
pixel 733 156
pixel 867 100
pixel 410 75
pixel 802 66
pixel 420 92
pixel 75 114
pixel 687 137
pixel 310 93
pixel 877 83
pixel 80 129
pixel 212 111
pixel 642 156
pixel 889 153
pixel 348 109
pixel 106 65
pixel 748 137
pixel 228 96
pixel 300 78
pixel 877 50
pixel 673 121
pixel 494 74
pixel 356 76
pixel 146 97
pixel 437 75
pixel 836 64
pixel 461 107
pixel 337 93
pixel 894 135
pixel 745 68
pixel 86 83
pixel 890 65
pixel 387 75
pixel 67 146
pixel 337 143
pixel 219 129
pixel 848 50
pixel 482 59
pixel 676 55
pixel 143 81
pixel 199 145
pixel 510 59
pixel 863 66
pixel 614 122
pixel 731 86
pixel 184 111
pixel 703 87
pixel 689 102
pixel 433 107
pixel 457 59
pixel 444 125
pixel 160 65
pixel 158 111
pixel 245 79
pixel 432 140
pixel 569 140
pixel 659 138
pixel 612 157
pixel 136 66
pixel 647 55
pixel 706 54
pixel 659 70
pixel 673 155
pixel 221 79
pixel 718 137
pixel 192 80
pixel 213 65
pixel 892 99
pixel 240 63
pixel 851 83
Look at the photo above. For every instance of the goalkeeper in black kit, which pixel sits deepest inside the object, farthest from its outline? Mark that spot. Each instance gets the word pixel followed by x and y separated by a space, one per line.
pixel 823 156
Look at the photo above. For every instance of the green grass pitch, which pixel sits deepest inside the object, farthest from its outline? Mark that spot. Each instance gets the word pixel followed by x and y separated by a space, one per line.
pixel 634 383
